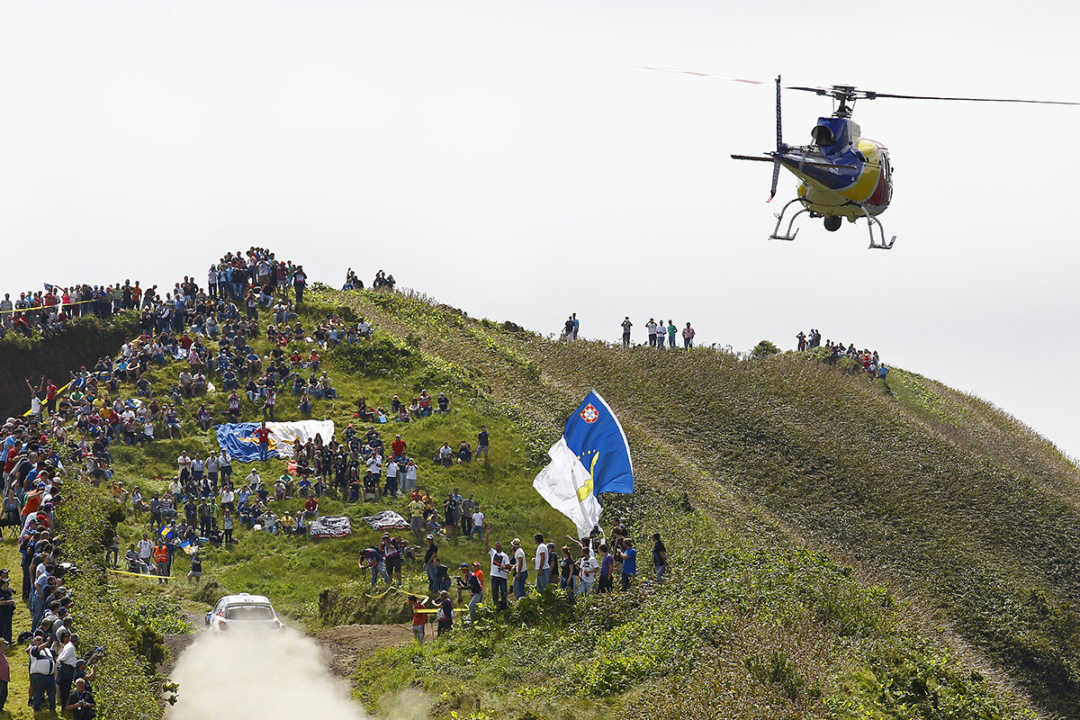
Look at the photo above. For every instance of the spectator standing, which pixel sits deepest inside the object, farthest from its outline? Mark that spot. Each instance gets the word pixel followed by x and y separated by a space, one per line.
pixel 587 569
pixel 477 522
pixel 543 564
pixel 299 283
pixel 42 669
pixel 577 324
pixel 688 336
pixel 445 614
pixel 482 443
pixel 651 328
pixel 607 563
pixel 671 330
pixel 629 563
pixel 500 565
pixel 419 617
pixel 659 558
pixel 626 325
pixel 521 572
pixel 7 609
pixel 5 673
pixel 161 559
pixel 431 565
pixel 195 573
pixel 67 658
pixel 263 433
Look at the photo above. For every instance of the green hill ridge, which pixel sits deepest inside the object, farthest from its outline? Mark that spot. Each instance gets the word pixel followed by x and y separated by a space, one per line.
pixel 840 548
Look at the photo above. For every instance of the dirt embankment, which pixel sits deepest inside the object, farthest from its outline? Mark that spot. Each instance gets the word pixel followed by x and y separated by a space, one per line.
pixel 349 644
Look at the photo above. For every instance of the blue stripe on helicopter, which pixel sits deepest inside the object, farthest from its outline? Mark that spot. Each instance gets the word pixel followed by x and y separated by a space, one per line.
pixel 832 178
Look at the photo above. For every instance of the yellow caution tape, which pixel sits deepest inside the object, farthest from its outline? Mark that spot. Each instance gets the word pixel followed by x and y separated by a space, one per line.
pixel 435 610
pixel 125 572
pixel 44 307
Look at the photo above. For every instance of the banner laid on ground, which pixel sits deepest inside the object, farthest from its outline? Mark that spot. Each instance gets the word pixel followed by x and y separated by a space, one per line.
pixel 591 457
pixel 242 443
pixel 330 526
pixel 387 520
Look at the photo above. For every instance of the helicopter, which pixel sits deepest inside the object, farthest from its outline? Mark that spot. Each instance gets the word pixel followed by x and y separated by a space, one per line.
pixel 842 174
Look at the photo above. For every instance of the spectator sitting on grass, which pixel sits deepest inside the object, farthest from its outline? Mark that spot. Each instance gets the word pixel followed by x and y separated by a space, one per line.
pixel 464 453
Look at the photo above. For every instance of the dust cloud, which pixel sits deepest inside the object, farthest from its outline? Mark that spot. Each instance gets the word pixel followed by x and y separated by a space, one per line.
pixel 259 675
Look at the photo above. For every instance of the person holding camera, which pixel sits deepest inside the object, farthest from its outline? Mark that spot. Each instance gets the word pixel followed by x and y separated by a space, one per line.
pixel 42 666
pixel 81 701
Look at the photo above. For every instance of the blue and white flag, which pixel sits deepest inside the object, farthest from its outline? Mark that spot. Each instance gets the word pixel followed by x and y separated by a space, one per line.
pixel 591 457
pixel 239 441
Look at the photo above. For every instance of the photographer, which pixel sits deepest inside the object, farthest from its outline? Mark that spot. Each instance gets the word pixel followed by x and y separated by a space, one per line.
pixel 81 701
pixel 42 666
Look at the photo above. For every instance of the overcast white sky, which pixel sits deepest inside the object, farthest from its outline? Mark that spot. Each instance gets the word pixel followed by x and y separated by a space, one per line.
pixel 512 160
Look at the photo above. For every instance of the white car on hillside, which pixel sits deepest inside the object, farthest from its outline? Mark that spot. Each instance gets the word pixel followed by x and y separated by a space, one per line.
pixel 243 611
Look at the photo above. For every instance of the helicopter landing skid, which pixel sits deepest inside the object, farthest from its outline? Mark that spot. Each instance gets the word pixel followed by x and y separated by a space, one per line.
pixel 788 235
pixel 872 222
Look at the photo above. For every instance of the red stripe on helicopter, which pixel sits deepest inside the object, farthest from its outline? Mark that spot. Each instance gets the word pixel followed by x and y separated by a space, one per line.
pixel 880 196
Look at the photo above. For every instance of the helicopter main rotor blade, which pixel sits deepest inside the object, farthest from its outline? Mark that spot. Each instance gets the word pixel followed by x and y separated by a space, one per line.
pixel 857 94
pixel 707 76
pixel 873 95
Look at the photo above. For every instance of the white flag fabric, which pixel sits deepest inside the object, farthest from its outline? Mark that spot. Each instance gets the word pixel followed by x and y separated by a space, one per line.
pixel 567 486
pixel 286 433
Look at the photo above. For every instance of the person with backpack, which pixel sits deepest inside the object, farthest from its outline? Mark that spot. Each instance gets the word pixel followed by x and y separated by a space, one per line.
pixel 42 679
pixel 445 614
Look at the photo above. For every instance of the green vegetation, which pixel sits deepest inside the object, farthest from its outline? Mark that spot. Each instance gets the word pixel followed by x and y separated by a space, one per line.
pixel 798 501
pixel 81 342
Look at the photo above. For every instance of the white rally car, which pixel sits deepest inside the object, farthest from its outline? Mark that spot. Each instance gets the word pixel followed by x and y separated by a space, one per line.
pixel 243 611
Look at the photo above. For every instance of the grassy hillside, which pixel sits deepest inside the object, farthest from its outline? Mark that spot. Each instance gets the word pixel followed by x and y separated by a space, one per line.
pixel 800 506
pixel 955 506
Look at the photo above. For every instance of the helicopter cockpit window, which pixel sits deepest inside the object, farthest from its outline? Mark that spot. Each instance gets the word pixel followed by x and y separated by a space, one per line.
pixel 822 136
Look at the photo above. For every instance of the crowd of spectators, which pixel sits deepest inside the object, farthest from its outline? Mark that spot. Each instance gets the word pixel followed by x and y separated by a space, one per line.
pixel 868 359
pixel 580 567
pixel 31 458
pixel 657 331
pixel 381 281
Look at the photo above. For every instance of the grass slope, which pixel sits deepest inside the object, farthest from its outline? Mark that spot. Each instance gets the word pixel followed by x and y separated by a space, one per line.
pixel 957 507
pixel 753 471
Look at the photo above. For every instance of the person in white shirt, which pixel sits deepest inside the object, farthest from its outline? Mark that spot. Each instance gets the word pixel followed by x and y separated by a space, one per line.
pixel 391 479
pixel 587 565
pixel 500 565
pixel 477 522
pixel 410 478
pixel 67 658
pixel 521 572
pixel 543 563
pixel 183 465
pixel 145 548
